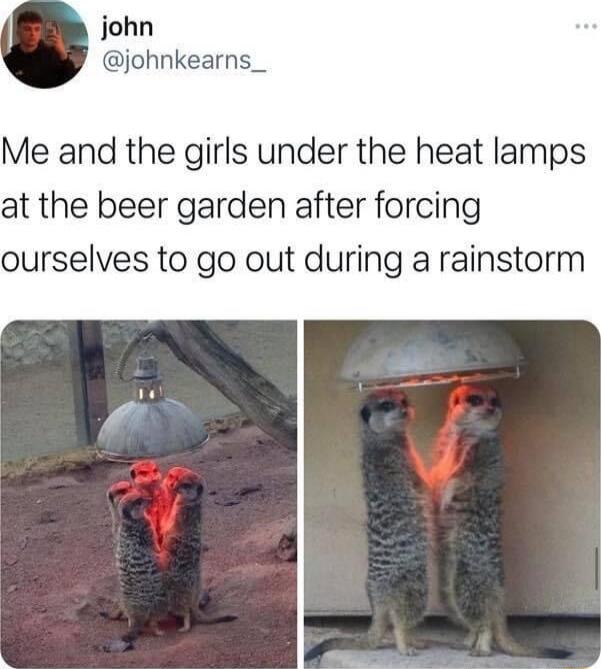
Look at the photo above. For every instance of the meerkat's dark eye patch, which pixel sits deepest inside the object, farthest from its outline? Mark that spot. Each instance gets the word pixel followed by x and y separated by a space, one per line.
pixel 474 400
pixel 365 414
pixel 495 402
pixel 404 403
pixel 387 405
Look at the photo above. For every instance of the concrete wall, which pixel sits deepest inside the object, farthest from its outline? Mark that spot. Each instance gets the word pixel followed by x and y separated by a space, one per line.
pixel 551 440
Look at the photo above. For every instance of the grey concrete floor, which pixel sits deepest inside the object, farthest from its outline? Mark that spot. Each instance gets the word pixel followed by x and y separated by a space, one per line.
pixel 579 635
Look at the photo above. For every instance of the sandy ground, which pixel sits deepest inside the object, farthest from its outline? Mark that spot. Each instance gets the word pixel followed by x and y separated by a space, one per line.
pixel 58 571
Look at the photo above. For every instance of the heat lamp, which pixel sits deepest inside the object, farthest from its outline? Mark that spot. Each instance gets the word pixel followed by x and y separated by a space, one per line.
pixel 151 425
pixel 422 353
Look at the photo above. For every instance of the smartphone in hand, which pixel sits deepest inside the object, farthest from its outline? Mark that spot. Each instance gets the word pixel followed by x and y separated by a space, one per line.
pixel 51 29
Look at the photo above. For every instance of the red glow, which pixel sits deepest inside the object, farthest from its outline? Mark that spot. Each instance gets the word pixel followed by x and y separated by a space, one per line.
pixel 162 492
pixel 389 393
pixel 145 475
pixel 444 471
pixel 441 378
pixel 116 492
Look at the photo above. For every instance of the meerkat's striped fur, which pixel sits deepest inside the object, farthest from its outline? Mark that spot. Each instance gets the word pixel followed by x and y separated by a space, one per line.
pixel 114 495
pixel 142 589
pixel 182 548
pixel 397 532
pixel 467 483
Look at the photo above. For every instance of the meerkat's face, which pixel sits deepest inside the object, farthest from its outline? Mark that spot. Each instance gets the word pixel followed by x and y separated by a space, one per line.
pixel 145 475
pixel 386 412
pixel 475 407
pixel 117 491
pixel 187 485
pixel 133 506
pixel 173 476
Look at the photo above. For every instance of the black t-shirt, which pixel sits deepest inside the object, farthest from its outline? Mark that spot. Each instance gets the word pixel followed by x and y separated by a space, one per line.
pixel 41 68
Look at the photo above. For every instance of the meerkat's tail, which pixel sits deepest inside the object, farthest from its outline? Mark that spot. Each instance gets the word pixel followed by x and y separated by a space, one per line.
pixel 203 619
pixel 132 634
pixel 509 645
pixel 337 643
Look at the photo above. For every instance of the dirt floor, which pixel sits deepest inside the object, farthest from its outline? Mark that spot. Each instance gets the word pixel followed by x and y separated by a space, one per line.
pixel 58 571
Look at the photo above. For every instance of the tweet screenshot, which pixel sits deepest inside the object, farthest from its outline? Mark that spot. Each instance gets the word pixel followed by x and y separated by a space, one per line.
pixel 300 355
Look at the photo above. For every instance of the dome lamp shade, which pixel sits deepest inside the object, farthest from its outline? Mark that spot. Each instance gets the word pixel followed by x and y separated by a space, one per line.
pixel 151 425
pixel 418 353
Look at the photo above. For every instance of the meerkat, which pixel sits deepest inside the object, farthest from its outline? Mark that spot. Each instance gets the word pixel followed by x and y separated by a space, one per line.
pixel 467 481
pixel 146 477
pixel 168 493
pixel 143 596
pixel 182 547
pixel 395 487
pixel 113 496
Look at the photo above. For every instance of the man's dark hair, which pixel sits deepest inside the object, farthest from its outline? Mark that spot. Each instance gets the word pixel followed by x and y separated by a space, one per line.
pixel 29 17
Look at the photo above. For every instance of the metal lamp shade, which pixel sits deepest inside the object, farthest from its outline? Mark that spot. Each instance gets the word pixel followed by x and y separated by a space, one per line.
pixel 150 426
pixel 409 353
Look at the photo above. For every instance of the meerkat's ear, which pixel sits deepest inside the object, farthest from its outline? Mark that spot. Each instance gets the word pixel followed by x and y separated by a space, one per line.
pixel 200 488
pixel 365 414
pixel 453 399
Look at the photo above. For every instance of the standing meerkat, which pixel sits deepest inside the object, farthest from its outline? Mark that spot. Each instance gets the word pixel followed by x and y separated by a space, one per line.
pixel 113 496
pixel 467 482
pixel 146 477
pixel 394 481
pixel 168 493
pixel 182 548
pixel 143 598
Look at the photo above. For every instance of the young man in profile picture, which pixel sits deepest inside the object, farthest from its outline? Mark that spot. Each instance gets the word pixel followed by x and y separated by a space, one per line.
pixel 43 64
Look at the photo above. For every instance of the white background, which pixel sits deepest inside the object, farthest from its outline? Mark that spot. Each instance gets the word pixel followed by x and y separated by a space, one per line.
pixel 339 70
pixel 447 71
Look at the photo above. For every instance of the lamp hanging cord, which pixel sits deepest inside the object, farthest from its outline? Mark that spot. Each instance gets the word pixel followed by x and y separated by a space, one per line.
pixel 143 335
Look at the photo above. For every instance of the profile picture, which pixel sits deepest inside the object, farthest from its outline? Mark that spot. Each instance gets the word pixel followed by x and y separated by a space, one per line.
pixel 44 44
